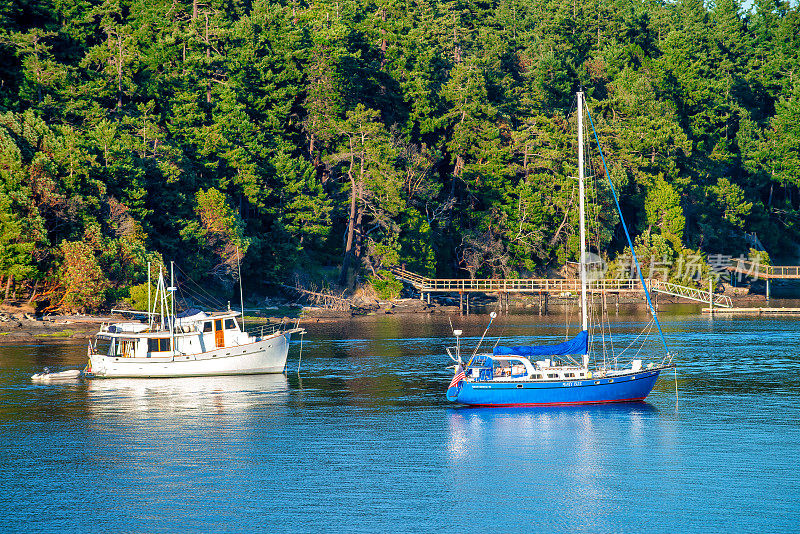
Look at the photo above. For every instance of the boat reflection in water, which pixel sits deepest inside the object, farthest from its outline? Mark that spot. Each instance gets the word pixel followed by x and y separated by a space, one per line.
pixel 190 396
pixel 538 430
pixel 560 466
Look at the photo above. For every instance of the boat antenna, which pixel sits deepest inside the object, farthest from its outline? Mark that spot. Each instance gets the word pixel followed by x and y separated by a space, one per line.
pixel 241 292
pixel 628 236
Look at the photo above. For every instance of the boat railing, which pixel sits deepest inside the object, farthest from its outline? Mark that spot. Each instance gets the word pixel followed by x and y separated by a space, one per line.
pixel 264 330
pixel 453 353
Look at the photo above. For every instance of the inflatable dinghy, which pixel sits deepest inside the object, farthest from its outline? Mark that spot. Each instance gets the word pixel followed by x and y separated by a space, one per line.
pixel 47 376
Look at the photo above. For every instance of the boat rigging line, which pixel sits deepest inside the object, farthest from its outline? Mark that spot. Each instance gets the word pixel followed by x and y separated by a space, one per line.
pixel 628 237
pixel 491 318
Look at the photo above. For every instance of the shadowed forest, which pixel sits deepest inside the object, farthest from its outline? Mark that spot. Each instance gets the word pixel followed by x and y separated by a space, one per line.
pixel 323 142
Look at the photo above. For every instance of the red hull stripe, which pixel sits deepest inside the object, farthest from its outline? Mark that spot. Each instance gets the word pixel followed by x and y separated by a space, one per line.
pixel 532 404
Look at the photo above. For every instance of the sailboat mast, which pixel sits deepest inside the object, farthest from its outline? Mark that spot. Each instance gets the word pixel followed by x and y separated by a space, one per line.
pixel 241 291
pixel 172 289
pixel 163 291
pixel 149 314
pixel 584 314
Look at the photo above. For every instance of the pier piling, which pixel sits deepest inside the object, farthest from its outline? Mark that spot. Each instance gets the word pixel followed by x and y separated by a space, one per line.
pixel 711 297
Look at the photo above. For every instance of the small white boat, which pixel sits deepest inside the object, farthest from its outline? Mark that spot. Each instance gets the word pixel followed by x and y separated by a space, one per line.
pixel 193 343
pixel 48 376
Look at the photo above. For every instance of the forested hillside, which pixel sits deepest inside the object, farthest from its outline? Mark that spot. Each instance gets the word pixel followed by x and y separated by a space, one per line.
pixel 344 136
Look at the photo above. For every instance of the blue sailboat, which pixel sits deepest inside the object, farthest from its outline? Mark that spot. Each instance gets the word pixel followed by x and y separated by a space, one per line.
pixel 561 374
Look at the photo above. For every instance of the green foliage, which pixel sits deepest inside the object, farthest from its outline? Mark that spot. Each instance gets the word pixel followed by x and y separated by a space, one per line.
pixel 385 285
pixel 60 333
pixel 730 200
pixel 353 135
pixel 15 248
pixel 663 208
pixel 759 257
pixel 138 296
pixel 417 244
pixel 82 280
pixel 218 229
pixel 784 157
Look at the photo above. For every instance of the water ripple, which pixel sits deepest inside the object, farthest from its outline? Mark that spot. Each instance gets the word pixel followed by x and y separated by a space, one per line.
pixel 362 440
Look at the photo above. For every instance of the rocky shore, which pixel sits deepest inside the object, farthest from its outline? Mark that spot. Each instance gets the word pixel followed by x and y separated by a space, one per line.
pixel 21 326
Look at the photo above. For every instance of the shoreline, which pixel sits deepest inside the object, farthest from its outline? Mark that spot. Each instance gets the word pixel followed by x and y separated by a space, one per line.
pixel 20 326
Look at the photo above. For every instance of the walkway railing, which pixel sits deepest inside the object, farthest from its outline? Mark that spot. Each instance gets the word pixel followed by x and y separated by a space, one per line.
pixel 555 285
pixel 757 270
pixel 690 293
pixel 407 276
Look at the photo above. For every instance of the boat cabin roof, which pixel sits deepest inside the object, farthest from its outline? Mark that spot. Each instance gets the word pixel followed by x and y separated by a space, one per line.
pixel 184 326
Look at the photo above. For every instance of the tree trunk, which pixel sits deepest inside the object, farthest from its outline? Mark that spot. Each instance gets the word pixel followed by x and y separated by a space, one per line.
pixel 119 71
pixel 348 247
pixel 383 39
pixel 9 283
pixel 358 239
pixel 769 202
pixel 208 58
pixel 33 291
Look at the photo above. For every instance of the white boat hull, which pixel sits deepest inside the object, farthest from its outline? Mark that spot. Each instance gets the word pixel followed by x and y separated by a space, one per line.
pixel 265 356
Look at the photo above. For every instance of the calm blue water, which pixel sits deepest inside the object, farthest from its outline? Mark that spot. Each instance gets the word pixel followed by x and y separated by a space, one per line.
pixel 362 440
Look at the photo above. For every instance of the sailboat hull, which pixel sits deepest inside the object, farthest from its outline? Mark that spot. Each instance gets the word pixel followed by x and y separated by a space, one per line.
pixel 620 388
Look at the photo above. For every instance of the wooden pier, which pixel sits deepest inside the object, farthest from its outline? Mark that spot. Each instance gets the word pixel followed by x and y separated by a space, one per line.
pixel 549 286
pixel 572 286
pixel 767 272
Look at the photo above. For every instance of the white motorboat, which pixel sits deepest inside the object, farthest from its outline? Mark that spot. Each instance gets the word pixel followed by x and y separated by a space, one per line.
pixel 193 343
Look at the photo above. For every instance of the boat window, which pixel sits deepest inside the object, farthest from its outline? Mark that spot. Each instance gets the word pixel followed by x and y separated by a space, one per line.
pixel 160 344
pixel 502 370
pixel 552 375
pixel 230 324
pixel 217 324
pixel 127 348
pixel 207 326
pixel 570 375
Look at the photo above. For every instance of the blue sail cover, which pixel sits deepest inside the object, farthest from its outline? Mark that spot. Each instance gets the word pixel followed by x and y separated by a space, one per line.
pixel 577 345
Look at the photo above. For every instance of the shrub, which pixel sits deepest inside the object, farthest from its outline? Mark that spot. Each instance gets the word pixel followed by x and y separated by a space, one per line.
pixel 83 282
pixel 385 285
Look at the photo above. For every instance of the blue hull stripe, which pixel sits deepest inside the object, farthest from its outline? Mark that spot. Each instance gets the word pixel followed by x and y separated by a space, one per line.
pixel 632 387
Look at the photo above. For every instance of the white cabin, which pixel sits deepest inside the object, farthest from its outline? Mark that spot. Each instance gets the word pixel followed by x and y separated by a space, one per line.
pixel 194 334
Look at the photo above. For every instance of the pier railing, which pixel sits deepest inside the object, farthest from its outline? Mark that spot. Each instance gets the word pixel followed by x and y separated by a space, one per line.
pixel 555 285
pixel 524 285
pixel 690 293
pixel 758 270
